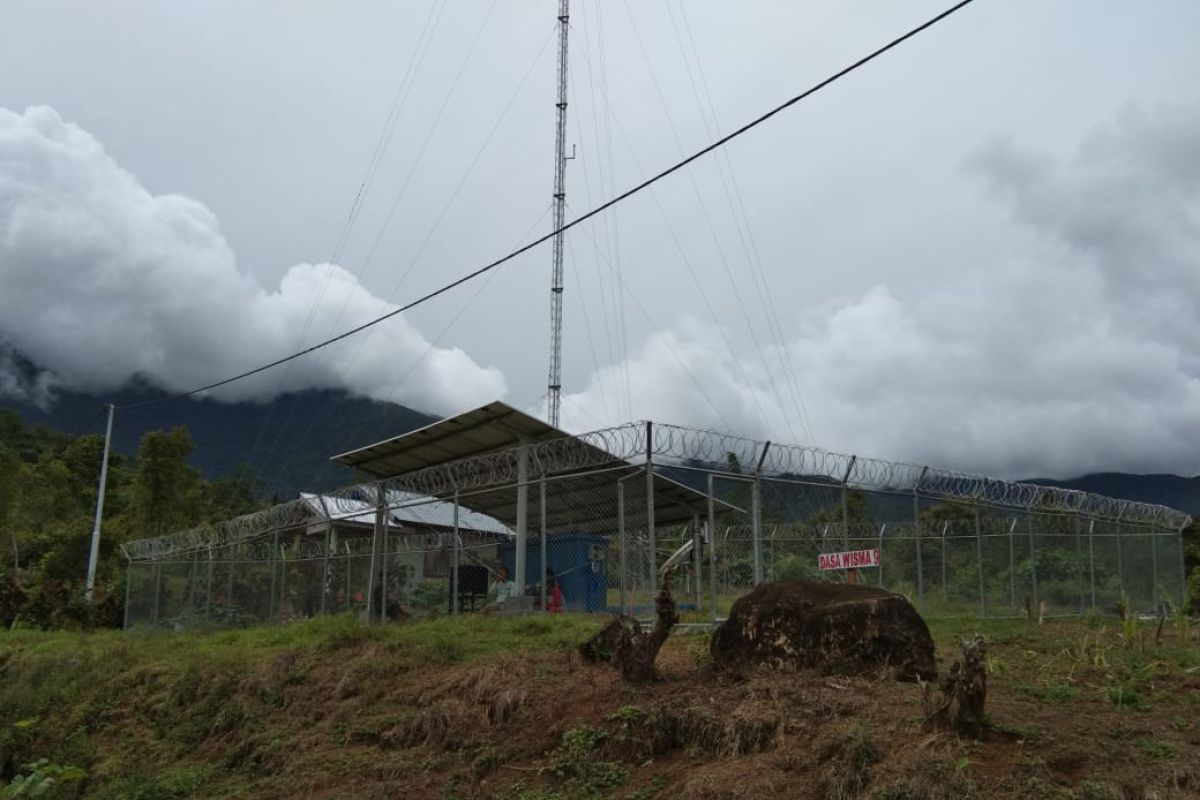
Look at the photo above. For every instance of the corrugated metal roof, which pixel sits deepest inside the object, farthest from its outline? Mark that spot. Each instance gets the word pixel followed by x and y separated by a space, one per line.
pixel 496 426
pixel 407 509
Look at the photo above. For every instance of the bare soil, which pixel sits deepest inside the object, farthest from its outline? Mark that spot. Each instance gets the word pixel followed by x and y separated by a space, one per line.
pixel 498 730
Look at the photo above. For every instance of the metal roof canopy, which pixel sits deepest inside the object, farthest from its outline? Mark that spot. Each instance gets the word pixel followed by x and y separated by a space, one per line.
pixel 487 429
pixel 587 501
pixel 586 497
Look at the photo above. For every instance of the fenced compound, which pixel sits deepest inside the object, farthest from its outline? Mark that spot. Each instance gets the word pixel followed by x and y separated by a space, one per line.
pixel 594 519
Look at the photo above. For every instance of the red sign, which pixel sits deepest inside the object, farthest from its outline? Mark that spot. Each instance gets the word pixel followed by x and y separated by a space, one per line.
pixel 849 560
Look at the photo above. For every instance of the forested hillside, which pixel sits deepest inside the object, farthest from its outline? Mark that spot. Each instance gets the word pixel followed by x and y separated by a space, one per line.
pixel 47 505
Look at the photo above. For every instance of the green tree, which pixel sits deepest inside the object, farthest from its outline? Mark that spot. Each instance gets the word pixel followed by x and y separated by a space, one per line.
pixel 166 492
pixel 230 495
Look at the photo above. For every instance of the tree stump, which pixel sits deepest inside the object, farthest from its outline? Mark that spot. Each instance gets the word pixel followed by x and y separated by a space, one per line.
pixel 964 692
pixel 623 642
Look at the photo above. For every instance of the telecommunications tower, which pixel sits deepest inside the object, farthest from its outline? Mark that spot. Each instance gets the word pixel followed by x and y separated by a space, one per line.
pixel 554 384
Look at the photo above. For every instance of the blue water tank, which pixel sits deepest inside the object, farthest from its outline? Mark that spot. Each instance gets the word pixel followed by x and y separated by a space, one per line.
pixel 578 562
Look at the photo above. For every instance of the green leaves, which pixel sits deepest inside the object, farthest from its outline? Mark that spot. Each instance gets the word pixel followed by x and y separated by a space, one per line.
pixel 41 778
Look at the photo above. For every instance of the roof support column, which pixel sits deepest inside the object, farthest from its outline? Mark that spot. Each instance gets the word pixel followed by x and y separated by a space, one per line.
pixel 522 514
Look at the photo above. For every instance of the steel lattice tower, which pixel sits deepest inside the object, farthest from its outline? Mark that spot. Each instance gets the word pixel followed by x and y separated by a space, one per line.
pixel 554 384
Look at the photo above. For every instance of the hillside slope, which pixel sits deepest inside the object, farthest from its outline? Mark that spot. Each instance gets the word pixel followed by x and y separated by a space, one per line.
pixel 286 442
pixel 486 708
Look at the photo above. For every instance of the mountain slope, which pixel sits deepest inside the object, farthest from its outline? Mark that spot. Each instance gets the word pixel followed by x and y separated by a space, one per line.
pixel 1168 490
pixel 286 442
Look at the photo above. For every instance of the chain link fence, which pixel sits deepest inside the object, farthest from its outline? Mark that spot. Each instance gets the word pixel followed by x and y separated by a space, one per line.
pixel 597 523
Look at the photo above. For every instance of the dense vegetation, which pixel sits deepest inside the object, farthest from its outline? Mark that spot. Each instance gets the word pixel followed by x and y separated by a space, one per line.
pixel 48 484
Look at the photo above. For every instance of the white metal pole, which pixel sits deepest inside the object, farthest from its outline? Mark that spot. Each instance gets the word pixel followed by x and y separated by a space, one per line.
pixel 94 555
pixel 522 516
pixel 457 562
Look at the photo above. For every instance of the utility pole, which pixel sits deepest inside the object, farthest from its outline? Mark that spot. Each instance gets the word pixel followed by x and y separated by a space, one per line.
pixel 95 552
pixel 554 385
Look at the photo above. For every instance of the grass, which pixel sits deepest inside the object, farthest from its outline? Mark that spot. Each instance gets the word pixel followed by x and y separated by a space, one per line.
pixel 153 714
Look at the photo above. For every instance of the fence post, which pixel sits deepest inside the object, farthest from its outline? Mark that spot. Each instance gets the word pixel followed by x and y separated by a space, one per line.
pixel 1092 559
pixel 349 574
pixel 1154 569
pixel 282 578
pixel 945 592
pixel 1012 564
pixel 1183 590
pixel 157 590
pixel 756 514
pixel 979 558
pixel 542 548
pixel 882 528
pixel 274 558
pixel 1120 558
pixel 650 510
pixel 1079 562
pixel 712 552
pixel 192 580
pixel 129 580
pixel 456 563
pixel 1033 560
pixel 521 543
pixel 384 557
pixel 621 547
pixel 756 528
pixel 917 533
pixel 851 574
pixel 208 586
pixel 229 581
pixel 696 560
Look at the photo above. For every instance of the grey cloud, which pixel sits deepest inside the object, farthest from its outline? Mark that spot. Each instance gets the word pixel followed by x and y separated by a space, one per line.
pixel 1079 356
pixel 104 281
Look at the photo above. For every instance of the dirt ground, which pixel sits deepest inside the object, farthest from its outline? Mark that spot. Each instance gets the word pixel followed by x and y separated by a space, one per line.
pixel 556 728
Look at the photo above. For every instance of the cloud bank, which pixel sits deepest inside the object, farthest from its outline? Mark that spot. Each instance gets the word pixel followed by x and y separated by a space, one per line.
pixel 104 281
pixel 1083 356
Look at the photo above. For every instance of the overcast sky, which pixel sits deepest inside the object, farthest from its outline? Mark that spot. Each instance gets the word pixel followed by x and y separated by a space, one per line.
pixel 981 251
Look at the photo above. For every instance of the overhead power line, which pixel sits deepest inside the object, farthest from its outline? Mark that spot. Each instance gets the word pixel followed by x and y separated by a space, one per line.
pixel 578 220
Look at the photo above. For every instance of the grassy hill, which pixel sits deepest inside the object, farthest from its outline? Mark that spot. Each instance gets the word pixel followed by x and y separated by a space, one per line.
pixel 474 707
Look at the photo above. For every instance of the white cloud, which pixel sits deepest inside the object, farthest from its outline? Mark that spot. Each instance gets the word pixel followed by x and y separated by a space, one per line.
pixel 1082 356
pixel 103 280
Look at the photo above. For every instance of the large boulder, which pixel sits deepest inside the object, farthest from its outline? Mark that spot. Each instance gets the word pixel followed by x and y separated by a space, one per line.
pixel 836 628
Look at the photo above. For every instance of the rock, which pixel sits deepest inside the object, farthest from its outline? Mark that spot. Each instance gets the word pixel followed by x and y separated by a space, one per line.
pixel 836 628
